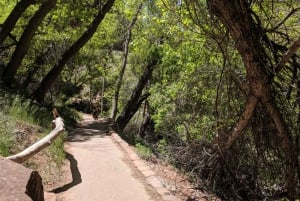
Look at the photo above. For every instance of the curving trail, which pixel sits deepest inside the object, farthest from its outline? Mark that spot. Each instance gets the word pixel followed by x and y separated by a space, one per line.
pixel 100 170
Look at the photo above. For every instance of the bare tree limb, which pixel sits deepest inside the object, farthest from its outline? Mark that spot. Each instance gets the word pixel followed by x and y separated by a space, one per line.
pixel 41 144
pixel 243 122
pixel 283 21
pixel 291 51
pixel 124 62
pixel 287 144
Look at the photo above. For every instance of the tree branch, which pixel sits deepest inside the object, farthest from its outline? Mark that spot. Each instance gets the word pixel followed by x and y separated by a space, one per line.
pixel 41 144
pixel 284 20
pixel 291 51
pixel 243 122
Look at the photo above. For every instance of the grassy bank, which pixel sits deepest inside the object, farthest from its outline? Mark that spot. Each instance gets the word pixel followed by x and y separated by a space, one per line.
pixel 23 122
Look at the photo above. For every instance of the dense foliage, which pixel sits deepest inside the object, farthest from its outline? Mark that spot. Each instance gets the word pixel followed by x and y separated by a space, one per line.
pixel 211 86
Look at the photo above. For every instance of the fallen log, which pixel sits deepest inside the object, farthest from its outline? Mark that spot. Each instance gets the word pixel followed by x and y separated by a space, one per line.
pixel 41 144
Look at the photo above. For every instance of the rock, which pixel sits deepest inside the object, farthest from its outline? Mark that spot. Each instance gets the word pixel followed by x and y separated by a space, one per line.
pixel 19 183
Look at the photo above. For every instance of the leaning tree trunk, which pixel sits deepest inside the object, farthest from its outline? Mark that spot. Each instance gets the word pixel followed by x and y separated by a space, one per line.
pixel 236 16
pixel 124 64
pixel 24 42
pixel 13 17
pixel 147 121
pixel 40 60
pixel 297 139
pixel 136 98
pixel 52 76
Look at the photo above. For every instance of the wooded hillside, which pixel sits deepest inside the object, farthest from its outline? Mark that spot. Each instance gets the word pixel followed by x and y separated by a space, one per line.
pixel 210 86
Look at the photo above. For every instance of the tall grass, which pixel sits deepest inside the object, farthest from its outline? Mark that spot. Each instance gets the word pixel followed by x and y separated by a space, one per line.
pixel 6 127
pixel 57 150
pixel 25 110
pixel 17 110
pixel 6 138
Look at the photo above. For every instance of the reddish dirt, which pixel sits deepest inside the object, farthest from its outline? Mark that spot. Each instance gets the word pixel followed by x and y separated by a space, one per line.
pixel 178 183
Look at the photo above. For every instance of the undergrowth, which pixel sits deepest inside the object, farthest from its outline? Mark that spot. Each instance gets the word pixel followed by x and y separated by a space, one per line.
pixel 143 150
pixel 16 111
pixel 27 111
pixel 6 138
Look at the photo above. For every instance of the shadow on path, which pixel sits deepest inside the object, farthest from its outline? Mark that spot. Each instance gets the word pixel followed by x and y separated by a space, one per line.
pixel 76 176
pixel 88 129
pixel 85 131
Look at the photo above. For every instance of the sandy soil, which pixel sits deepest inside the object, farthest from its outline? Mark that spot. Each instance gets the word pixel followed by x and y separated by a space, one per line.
pixel 100 170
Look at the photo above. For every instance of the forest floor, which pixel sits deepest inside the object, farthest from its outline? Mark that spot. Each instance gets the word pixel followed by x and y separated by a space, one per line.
pixel 102 167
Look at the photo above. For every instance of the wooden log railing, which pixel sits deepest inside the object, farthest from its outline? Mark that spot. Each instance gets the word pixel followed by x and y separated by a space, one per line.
pixel 41 144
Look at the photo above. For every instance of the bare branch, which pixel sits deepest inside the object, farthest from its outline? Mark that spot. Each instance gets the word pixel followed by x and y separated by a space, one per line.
pixel 291 51
pixel 284 20
pixel 243 122
pixel 41 144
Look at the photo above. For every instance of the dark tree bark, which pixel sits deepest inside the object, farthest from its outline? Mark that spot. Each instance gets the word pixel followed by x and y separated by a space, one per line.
pixel 13 17
pixel 236 16
pixel 54 73
pixel 145 124
pixel 23 45
pixel 40 60
pixel 124 64
pixel 242 123
pixel 297 138
pixel 147 121
pixel 136 98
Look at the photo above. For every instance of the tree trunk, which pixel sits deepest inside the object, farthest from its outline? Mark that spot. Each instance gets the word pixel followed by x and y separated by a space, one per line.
pixel 13 17
pixel 136 98
pixel 38 146
pixel 297 138
pixel 52 76
pixel 147 123
pixel 236 16
pixel 243 122
pixel 24 42
pixel 40 60
pixel 124 64
pixel 102 95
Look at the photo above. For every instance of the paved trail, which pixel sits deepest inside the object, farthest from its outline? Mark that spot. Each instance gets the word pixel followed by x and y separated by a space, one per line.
pixel 100 171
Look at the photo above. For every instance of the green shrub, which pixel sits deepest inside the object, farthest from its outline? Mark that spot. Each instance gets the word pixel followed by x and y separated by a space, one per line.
pixel 143 150
pixel 162 146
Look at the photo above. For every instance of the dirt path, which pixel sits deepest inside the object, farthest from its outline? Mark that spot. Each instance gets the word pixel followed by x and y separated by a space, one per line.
pixel 100 170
